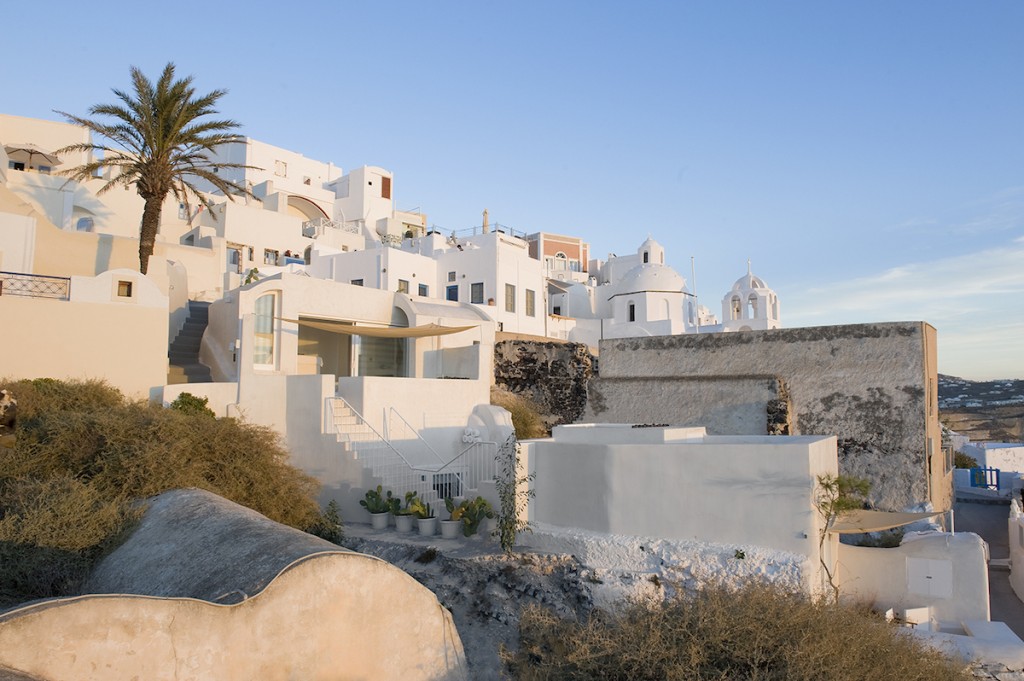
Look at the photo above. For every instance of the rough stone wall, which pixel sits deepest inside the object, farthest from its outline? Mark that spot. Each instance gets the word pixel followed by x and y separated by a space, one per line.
pixel 554 375
pixel 725 405
pixel 865 383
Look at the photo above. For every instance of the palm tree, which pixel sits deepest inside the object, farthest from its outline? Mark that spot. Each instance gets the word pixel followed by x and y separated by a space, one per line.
pixel 161 146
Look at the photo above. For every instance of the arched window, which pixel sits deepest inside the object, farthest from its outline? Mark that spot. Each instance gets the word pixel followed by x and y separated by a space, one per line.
pixel 647 257
pixel 775 308
pixel 736 308
pixel 632 312
pixel 84 224
pixel 689 312
pixel 752 307
pixel 263 340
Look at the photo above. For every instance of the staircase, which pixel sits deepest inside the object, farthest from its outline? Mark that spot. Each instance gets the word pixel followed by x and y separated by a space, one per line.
pixel 183 351
pixel 389 466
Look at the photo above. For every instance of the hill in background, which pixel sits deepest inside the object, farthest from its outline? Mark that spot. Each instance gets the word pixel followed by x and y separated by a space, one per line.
pixel 985 411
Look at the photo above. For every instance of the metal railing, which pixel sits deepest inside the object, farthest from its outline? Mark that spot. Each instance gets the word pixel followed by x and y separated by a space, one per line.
pixel 402 435
pixel 495 227
pixel 316 227
pixel 433 479
pixel 35 286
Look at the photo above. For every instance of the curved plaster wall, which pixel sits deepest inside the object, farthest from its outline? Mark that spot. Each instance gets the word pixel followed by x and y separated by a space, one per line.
pixel 221 592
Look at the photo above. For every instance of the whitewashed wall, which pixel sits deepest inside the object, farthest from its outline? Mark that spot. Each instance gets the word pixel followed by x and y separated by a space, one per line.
pixel 957 587
pixel 738 490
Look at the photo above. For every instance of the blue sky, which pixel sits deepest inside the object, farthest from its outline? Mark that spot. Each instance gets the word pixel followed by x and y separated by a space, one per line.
pixel 868 157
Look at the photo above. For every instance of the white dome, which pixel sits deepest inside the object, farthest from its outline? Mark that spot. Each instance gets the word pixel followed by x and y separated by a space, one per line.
pixel 749 282
pixel 652 277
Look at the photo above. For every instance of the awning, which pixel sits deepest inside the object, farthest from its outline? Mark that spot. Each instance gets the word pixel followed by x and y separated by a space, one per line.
pixel 855 522
pixel 380 331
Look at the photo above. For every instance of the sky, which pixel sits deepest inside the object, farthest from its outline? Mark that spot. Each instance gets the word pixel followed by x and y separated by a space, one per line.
pixel 866 157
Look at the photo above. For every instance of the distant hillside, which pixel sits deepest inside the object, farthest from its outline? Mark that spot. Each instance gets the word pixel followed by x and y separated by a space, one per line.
pixel 985 411
pixel 955 392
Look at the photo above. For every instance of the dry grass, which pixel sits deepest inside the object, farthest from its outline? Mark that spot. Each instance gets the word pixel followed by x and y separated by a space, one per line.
pixel 526 414
pixel 84 454
pixel 756 633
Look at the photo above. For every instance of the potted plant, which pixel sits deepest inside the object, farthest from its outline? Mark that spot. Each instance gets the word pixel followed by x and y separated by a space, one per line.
pixel 474 512
pixel 404 515
pixel 450 527
pixel 425 518
pixel 379 506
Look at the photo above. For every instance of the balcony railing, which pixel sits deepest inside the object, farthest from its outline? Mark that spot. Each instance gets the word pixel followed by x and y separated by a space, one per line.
pixel 495 227
pixel 35 286
pixel 317 227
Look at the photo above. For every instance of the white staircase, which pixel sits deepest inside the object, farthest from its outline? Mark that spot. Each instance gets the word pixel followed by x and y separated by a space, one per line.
pixel 405 462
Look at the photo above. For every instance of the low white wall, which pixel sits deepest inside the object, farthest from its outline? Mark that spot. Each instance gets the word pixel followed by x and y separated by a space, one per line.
pixel 1007 457
pixel 328 616
pixel 883 576
pixel 427 402
pixel 756 490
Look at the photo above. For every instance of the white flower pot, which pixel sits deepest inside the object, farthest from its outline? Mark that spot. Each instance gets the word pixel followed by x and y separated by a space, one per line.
pixel 428 526
pixel 379 521
pixel 450 529
pixel 403 523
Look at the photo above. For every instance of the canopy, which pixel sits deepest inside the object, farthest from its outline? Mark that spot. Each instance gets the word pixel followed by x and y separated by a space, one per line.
pixel 32 150
pixel 379 331
pixel 855 522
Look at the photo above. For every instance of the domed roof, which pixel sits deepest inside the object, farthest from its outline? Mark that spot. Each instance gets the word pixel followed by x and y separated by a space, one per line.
pixel 648 245
pixel 748 282
pixel 651 277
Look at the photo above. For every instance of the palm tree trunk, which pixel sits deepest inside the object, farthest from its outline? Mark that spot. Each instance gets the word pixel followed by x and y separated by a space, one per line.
pixel 148 230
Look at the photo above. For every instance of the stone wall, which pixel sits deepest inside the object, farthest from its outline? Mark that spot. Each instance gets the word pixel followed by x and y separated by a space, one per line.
pixel 725 405
pixel 552 374
pixel 871 385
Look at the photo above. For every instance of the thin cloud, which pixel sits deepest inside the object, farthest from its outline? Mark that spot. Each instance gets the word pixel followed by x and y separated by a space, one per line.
pixel 975 300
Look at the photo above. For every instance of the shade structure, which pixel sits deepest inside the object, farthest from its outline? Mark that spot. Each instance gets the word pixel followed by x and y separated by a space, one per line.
pixel 423 331
pixel 856 522
pixel 35 153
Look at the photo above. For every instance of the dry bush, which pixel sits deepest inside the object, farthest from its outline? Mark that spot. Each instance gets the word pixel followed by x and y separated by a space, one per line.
pixel 51 532
pixel 526 414
pixel 84 454
pixel 756 632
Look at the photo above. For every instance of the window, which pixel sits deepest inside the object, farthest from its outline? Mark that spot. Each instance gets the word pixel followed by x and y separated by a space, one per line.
pixel 124 289
pixel 252 253
pixel 452 292
pixel 357 282
pixel 15 165
pixel 632 312
pixel 84 224
pixel 451 276
pixel 234 259
pixel 476 293
pixel 43 170
pixel 557 310
pixel 385 187
pixel 403 286
pixel 510 298
pixel 647 257
pixel 182 213
pixel 424 290
pixel 531 303
pixel 269 256
pixel 735 308
pixel 263 341
pixel 280 168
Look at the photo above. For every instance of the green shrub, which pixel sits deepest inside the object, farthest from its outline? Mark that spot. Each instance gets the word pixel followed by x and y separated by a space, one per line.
pixel 188 403
pixel 754 633
pixel 961 460
pixel 329 525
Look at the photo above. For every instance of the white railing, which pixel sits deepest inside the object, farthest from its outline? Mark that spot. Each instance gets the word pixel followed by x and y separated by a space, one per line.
pixel 316 227
pixel 426 472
